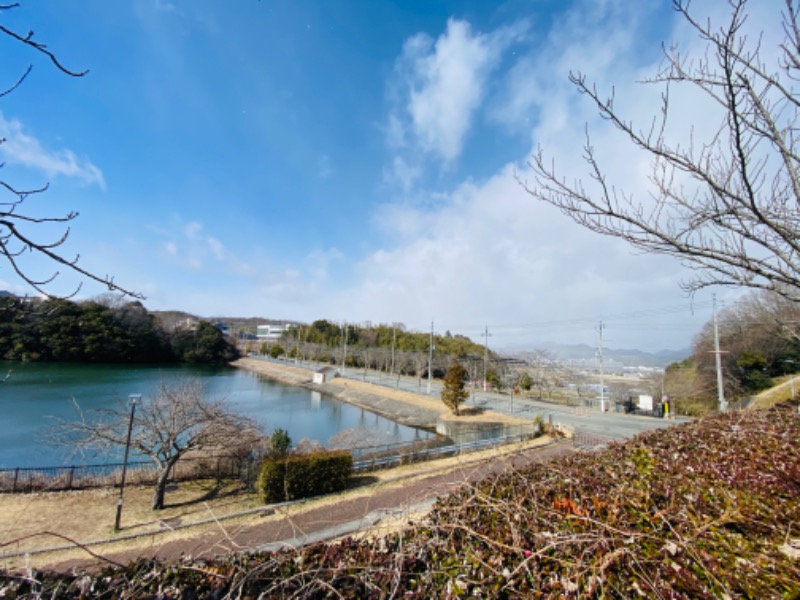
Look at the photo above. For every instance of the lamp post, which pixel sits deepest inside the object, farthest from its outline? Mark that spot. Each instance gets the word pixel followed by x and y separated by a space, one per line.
pixel 134 398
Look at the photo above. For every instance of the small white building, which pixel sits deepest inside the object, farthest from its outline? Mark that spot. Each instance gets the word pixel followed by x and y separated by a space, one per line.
pixel 323 374
pixel 270 332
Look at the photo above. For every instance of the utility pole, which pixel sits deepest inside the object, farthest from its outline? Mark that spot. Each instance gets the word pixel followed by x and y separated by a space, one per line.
pixel 394 339
pixel 602 382
pixel 718 360
pixel 430 359
pixel 485 355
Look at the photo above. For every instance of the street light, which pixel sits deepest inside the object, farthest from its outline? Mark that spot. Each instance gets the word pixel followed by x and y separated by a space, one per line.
pixel 133 398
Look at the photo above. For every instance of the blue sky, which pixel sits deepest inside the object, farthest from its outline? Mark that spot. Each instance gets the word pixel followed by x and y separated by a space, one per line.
pixel 353 160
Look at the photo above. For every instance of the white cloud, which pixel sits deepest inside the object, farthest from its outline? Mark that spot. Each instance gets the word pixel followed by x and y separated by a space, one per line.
pixel 24 149
pixel 217 248
pixel 402 173
pixel 193 229
pixel 442 84
pixel 395 132
pixel 198 251
pixel 163 6
pixel 490 255
pixel 486 253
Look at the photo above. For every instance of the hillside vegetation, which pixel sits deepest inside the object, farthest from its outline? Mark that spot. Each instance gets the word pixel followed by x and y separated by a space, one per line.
pixel 709 509
pixel 105 330
pixel 759 340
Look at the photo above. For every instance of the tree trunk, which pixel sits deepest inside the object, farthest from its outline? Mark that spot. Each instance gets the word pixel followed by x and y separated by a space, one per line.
pixel 161 485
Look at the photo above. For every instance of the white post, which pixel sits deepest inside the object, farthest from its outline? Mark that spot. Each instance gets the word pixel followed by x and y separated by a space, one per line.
pixel 602 382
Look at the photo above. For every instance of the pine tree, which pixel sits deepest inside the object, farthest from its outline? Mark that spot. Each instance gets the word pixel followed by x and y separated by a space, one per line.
pixel 454 392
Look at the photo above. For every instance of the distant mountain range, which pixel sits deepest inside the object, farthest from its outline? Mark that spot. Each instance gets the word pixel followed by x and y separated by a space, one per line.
pixel 628 358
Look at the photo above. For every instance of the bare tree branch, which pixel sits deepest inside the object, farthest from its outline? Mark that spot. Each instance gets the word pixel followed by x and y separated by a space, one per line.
pixel 13 241
pixel 727 207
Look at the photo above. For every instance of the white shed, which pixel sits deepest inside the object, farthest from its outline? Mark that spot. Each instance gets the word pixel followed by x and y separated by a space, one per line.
pixel 324 374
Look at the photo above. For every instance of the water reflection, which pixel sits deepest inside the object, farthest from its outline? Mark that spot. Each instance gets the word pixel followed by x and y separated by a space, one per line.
pixel 37 393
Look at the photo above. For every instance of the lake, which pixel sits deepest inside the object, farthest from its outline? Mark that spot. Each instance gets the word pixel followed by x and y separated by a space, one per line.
pixel 35 395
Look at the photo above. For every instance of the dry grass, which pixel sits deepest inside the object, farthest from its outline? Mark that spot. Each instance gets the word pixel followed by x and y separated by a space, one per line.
pixel 780 392
pixel 42 520
pixel 429 403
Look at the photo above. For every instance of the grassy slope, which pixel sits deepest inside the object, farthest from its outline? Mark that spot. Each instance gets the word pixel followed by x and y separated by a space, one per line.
pixel 705 510
pixel 780 392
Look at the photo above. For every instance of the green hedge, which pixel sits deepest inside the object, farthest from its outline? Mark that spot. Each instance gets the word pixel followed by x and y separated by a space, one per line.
pixel 304 475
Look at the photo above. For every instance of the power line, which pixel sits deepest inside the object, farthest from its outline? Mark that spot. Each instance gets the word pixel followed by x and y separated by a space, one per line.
pixel 522 328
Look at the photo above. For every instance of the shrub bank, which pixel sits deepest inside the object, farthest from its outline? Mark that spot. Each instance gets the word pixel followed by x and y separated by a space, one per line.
pixel 303 475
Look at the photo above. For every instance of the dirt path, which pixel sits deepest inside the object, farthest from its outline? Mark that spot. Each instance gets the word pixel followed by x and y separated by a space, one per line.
pixel 371 509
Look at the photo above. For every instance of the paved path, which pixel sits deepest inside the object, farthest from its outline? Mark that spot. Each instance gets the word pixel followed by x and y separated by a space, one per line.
pixel 360 510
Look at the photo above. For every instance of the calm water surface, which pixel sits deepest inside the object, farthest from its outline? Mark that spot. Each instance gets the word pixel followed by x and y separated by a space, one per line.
pixel 35 395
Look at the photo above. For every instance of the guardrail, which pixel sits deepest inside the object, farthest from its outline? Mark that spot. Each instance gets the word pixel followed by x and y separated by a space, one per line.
pixel 588 441
pixel 384 462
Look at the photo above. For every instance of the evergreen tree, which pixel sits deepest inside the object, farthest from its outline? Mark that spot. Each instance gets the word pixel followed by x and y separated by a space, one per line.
pixel 454 392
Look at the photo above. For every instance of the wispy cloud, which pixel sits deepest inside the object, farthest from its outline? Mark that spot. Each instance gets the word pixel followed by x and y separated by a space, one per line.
pixel 439 85
pixel 402 173
pixel 164 6
pixel 21 148
pixel 198 251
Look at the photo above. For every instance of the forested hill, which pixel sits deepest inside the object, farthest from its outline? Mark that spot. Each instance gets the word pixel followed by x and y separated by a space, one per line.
pixel 103 332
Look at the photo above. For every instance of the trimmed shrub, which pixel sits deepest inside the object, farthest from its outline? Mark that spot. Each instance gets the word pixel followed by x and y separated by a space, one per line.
pixel 304 475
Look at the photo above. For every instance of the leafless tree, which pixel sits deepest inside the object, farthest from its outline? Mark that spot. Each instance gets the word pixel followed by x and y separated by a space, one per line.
pixel 544 370
pixel 166 427
pixel 726 206
pixel 19 232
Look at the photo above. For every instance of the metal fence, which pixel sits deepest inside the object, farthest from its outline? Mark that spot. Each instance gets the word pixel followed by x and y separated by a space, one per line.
pixel 406 454
pixel 77 477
